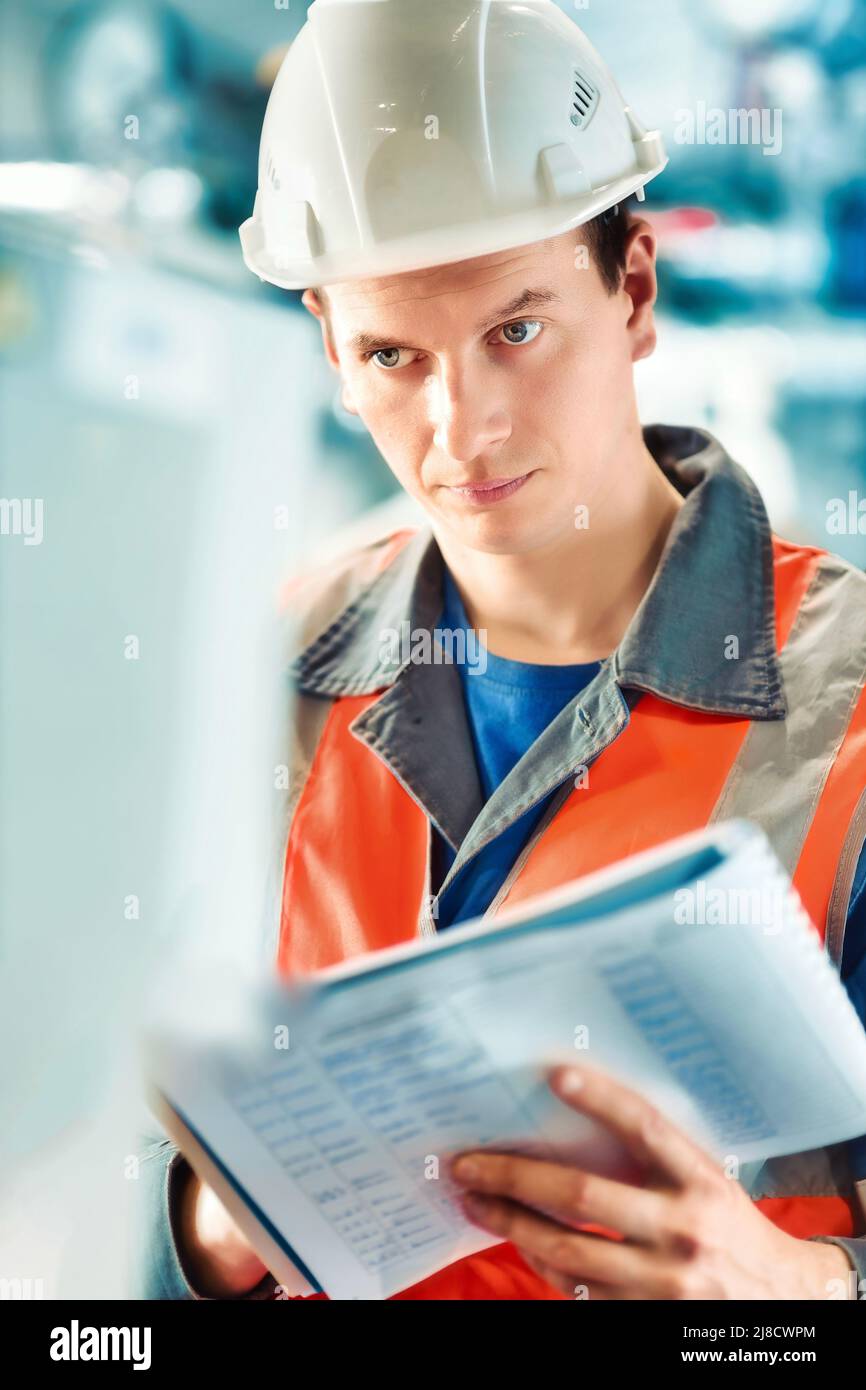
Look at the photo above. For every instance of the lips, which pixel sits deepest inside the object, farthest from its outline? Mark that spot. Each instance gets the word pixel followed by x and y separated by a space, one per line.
pixel 490 490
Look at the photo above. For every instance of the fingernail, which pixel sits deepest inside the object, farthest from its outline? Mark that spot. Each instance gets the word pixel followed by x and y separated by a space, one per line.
pixel 466 1171
pixel 570 1082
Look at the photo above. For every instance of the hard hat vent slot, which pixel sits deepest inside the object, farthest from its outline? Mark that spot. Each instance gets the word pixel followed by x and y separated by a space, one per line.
pixel 584 100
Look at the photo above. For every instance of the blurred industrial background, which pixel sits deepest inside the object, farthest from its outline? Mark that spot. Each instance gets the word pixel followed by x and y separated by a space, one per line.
pixel 129 149
pixel 153 391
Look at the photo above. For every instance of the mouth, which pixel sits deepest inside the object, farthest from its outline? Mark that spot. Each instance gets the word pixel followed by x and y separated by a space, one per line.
pixel 492 490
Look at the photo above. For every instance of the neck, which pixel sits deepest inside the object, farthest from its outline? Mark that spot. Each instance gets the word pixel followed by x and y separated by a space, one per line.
pixel 571 602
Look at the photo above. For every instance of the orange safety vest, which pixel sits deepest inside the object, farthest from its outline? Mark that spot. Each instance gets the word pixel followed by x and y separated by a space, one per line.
pixel 672 769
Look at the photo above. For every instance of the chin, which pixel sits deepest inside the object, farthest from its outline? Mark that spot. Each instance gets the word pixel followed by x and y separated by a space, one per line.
pixel 495 535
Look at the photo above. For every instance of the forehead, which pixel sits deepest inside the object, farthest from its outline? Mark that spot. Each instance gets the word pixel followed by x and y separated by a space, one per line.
pixel 460 290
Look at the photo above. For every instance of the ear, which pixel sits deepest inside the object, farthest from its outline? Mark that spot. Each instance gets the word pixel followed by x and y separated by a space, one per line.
pixel 310 300
pixel 640 288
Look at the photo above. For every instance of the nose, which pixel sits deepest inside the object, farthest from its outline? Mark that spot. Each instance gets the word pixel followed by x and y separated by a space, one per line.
pixel 467 411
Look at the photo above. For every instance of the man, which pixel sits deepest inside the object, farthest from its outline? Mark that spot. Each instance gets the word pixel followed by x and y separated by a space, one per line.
pixel 653 658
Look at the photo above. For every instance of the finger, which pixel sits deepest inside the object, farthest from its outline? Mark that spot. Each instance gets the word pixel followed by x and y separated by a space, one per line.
pixel 564 1283
pixel 570 1194
pixel 644 1130
pixel 546 1272
pixel 582 1291
pixel 585 1258
pixel 585 1291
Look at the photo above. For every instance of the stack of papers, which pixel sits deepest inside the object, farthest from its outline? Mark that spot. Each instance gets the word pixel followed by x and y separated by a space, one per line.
pixel 690 972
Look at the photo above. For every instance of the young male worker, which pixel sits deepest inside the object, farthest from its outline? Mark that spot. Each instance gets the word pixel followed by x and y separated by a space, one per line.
pixel 655 658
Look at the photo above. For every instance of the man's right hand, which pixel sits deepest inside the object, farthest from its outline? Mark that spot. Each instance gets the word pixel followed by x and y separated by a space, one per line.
pixel 217 1255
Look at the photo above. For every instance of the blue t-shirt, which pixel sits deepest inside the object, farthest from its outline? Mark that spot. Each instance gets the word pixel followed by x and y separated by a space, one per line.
pixel 508 705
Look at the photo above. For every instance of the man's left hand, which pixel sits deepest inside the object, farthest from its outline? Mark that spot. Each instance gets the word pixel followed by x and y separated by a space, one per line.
pixel 688 1232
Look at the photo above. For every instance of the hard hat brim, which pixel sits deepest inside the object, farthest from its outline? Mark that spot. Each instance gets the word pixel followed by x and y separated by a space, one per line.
pixel 443 246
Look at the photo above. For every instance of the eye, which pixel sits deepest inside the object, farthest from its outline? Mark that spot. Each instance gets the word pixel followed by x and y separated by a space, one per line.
pixel 530 327
pixel 388 359
pixel 392 353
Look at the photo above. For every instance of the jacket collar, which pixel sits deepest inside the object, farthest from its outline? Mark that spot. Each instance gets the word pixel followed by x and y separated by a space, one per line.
pixel 703 635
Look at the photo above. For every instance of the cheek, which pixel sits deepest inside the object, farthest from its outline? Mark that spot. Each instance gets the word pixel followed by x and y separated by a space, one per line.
pixel 399 427
pixel 591 388
pixel 565 399
pixel 614 367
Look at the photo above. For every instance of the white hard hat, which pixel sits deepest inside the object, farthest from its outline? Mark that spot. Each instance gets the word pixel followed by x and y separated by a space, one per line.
pixel 401 134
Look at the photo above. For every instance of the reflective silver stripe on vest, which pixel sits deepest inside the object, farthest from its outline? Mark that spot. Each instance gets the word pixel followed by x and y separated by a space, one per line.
pixel 814 1173
pixel 782 767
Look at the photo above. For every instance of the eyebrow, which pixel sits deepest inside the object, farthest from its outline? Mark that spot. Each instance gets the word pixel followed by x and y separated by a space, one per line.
pixel 527 299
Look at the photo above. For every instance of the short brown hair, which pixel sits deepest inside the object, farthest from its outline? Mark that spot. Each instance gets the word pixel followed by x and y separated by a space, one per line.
pixel 605 236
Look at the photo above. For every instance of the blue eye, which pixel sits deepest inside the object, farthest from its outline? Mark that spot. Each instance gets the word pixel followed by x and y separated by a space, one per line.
pixel 522 325
pixel 386 352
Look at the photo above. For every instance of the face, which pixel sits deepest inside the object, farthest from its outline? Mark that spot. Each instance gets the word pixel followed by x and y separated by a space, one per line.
pixel 499 389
